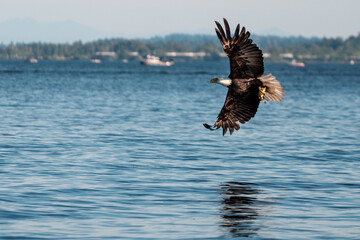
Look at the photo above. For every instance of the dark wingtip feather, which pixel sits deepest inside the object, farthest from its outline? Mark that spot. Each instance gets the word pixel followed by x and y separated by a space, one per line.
pixel 221 38
pixel 224 131
pixel 242 31
pixel 227 28
pixel 237 30
pixel 220 28
pixel 208 126
pixel 224 126
pixel 231 130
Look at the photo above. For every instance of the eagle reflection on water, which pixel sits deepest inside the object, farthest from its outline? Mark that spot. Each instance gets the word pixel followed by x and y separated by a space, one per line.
pixel 239 209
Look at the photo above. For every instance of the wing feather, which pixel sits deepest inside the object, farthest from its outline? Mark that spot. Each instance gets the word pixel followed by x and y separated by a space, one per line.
pixel 220 36
pixel 237 107
pixel 246 60
pixel 236 33
pixel 220 29
pixel 227 28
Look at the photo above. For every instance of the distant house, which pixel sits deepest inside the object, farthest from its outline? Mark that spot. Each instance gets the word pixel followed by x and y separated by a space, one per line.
pixel 186 54
pixel 308 56
pixel 133 54
pixel 287 55
pixel 267 55
pixel 107 54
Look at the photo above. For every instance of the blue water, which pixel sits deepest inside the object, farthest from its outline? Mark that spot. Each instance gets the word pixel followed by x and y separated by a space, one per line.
pixel 118 151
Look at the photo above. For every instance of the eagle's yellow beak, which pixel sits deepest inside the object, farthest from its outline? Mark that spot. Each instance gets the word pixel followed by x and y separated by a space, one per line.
pixel 214 80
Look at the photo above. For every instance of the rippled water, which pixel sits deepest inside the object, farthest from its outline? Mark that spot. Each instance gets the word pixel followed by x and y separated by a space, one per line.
pixel 118 151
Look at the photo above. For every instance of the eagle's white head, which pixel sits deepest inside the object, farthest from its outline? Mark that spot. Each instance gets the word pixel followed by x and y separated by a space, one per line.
pixel 223 81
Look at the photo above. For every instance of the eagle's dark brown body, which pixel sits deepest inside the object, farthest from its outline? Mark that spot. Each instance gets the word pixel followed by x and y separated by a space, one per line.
pixel 248 85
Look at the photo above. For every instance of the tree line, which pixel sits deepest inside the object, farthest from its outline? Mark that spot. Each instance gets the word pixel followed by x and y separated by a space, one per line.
pixel 309 49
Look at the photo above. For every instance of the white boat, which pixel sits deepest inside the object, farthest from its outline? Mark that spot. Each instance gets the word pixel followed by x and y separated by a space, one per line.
pixel 156 61
pixel 295 63
pixel 95 60
pixel 352 62
pixel 33 60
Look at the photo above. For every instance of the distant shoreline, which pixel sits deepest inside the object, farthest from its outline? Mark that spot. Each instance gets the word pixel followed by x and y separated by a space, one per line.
pixel 177 61
pixel 184 47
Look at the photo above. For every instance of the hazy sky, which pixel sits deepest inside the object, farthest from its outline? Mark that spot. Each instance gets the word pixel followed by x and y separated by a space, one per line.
pixel 137 18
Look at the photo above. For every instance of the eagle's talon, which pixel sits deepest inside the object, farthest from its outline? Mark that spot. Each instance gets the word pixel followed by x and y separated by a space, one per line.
pixel 262 94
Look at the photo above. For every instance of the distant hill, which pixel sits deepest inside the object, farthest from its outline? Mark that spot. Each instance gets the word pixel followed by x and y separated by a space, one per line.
pixel 274 31
pixel 27 30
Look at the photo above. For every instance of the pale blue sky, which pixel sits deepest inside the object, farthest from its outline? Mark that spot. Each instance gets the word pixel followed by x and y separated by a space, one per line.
pixel 141 18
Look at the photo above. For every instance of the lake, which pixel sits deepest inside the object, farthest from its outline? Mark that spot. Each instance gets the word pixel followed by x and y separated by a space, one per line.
pixel 118 151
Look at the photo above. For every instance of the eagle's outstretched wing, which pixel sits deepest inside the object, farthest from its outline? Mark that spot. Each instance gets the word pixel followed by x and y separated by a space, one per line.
pixel 246 60
pixel 238 107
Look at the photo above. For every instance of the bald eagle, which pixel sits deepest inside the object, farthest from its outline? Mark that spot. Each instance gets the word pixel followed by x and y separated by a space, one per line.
pixel 246 84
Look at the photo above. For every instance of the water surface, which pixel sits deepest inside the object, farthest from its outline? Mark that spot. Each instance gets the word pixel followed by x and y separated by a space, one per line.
pixel 118 151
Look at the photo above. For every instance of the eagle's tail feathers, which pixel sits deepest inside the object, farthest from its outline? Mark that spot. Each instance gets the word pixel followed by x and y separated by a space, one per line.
pixel 274 91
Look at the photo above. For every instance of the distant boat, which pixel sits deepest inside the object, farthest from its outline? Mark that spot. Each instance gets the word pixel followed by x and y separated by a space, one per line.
pixel 156 61
pixel 32 60
pixel 125 61
pixel 95 60
pixel 295 63
pixel 352 62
